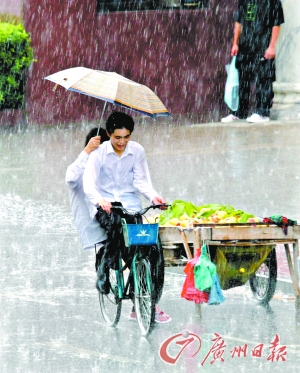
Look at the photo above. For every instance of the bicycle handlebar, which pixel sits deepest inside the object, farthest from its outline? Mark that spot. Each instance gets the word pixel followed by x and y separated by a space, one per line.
pixel 141 212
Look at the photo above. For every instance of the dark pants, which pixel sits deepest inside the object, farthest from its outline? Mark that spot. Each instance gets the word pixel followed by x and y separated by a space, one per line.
pixel 114 244
pixel 261 72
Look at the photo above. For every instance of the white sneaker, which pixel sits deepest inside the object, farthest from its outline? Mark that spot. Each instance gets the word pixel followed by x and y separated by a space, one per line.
pixel 256 118
pixel 229 118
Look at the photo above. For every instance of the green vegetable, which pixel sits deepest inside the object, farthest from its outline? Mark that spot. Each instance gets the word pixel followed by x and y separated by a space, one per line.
pixel 180 207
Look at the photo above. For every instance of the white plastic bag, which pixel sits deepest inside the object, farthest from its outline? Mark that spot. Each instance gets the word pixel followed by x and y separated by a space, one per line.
pixel 231 96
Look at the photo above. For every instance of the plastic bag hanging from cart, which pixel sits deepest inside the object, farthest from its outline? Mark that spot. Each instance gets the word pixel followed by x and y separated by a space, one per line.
pixel 207 279
pixel 189 292
pixel 231 96
pixel 216 294
pixel 204 270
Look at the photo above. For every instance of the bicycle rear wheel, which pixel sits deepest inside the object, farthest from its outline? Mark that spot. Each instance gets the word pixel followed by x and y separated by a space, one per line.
pixel 143 298
pixel 110 303
pixel 263 283
pixel 158 270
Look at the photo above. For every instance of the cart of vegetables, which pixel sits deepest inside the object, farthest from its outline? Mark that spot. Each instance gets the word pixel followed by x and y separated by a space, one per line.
pixel 238 242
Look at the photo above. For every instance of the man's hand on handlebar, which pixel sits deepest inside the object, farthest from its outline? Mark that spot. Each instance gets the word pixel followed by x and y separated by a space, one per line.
pixel 159 201
pixel 105 205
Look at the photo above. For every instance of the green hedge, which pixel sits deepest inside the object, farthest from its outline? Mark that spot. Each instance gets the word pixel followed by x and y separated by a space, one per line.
pixel 16 55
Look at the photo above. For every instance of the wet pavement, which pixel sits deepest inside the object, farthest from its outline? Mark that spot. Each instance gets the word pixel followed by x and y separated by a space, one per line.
pixel 50 316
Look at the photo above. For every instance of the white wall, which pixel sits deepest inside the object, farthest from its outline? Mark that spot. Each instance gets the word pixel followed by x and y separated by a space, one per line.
pixel 288 48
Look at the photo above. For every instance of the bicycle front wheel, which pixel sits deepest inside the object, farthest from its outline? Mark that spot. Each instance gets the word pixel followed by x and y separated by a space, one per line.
pixel 110 303
pixel 144 298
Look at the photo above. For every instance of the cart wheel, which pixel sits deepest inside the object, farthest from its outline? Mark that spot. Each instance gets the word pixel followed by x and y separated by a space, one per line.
pixel 263 283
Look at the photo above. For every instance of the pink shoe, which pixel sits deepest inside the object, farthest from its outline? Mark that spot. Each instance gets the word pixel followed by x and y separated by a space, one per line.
pixel 132 316
pixel 162 318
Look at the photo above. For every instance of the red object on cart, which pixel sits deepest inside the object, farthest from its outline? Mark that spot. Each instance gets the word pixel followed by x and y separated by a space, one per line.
pixel 189 292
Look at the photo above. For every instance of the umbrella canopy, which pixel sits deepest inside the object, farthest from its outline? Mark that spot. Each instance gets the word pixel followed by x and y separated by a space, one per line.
pixel 111 87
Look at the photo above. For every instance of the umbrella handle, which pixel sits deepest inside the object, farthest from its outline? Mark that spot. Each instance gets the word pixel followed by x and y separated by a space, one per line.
pixel 101 118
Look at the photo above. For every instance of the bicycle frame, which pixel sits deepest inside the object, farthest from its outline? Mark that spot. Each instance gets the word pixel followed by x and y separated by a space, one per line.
pixel 122 287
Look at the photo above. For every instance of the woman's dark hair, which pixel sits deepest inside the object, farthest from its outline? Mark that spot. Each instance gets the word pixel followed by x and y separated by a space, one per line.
pixel 118 120
pixel 93 132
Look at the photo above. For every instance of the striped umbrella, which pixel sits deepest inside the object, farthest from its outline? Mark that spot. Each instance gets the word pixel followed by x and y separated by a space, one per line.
pixel 110 87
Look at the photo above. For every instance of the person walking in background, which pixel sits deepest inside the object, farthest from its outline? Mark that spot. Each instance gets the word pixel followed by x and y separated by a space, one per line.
pixel 256 31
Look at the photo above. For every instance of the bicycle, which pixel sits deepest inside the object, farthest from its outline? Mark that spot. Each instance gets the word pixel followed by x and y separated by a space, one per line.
pixel 141 240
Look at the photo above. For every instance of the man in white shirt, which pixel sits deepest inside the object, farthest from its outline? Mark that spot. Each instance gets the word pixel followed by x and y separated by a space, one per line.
pixel 88 228
pixel 118 172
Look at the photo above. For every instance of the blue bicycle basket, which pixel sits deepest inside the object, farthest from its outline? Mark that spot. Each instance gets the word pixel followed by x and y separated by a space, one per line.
pixel 139 234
